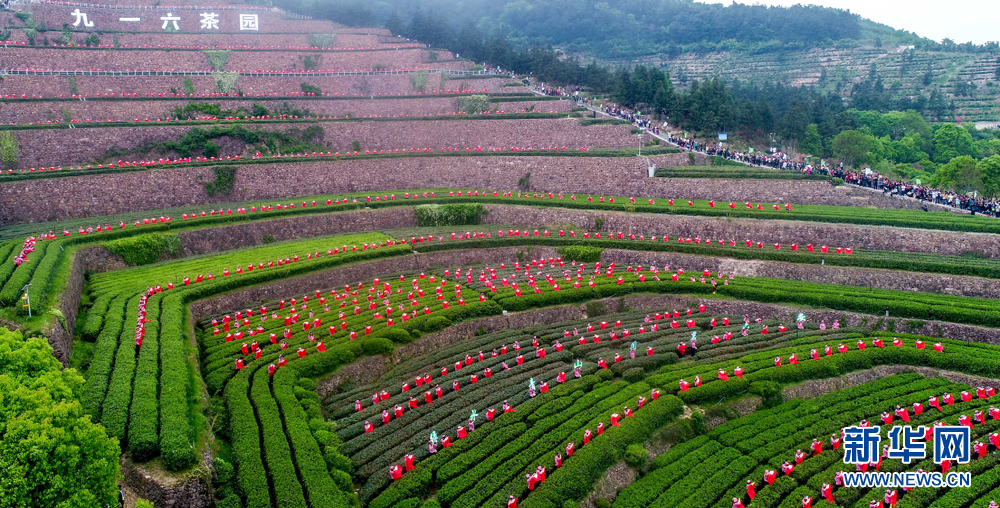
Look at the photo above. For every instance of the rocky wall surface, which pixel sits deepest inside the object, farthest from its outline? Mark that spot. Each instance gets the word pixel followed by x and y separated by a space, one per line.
pixel 89 258
pixel 59 147
pixel 127 111
pixel 769 232
pixel 787 314
pixel 954 285
pixel 166 491
pixel 349 85
pixel 56 198
pixel 120 59
pixel 238 236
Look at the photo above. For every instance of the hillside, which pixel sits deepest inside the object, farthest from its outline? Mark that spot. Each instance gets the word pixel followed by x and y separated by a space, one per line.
pixel 830 49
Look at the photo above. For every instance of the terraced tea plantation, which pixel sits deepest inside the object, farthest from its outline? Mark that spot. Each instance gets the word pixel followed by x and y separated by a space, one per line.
pixel 314 266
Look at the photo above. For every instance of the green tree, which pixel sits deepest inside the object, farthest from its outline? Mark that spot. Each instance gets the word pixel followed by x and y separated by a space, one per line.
pixel 951 141
pixel 851 147
pixel 812 143
pixel 990 170
pixel 960 174
pixel 51 454
pixel 474 104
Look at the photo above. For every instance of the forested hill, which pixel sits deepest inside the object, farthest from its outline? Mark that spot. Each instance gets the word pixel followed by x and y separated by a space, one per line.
pixel 625 29
pixel 870 65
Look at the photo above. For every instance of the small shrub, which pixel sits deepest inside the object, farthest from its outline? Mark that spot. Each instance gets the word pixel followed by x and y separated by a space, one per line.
pixel 474 104
pixel 217 58
pixel 398 335
pixel 449 215
pixel 231 500
pixel 635 456
pixel 224 177
pixel 337 461
pixel 580 253
pixel 320 40
pixel 225 82
pixel 144 249
pixel 419 81
pixel 768 391
pixel 224 471
pixel 9 149
pixel 307 88
pixel 837 182
pixel 267 239
pixel 380 346
pixel 633 375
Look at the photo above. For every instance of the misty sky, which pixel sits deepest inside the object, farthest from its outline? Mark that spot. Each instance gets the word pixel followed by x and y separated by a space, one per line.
pixel 958 20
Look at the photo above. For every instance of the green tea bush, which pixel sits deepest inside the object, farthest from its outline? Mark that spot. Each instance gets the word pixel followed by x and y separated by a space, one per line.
pixel 145 249
pixel 449 215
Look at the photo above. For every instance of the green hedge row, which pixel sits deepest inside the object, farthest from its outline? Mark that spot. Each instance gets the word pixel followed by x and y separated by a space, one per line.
pixel 717 485
pixel 176 432
pixel 95 317
pixel 543 449
pixel 144 414
pixel 40 281
pixel 277 452
pixel 645 491
pixel 480 482
pixel 8 251
pixel 114 411
pixel 418 482
pixel 11 293
pixel 449 215
pixel 319 486
pixel 104 357
pixel 578 474
pixel 251 476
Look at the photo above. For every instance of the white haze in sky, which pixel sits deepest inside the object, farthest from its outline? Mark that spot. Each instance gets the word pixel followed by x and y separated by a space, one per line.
pixel 958 20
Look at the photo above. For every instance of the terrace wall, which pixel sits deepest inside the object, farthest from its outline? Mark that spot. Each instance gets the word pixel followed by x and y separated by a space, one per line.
pixel 196 60
pixel 955 285
pixel 128 110
pixel 787 314
pixel 950 243
pixel 89 196
pixel 138 40
pixel 55 86
pixel 238 236
pixel 54 147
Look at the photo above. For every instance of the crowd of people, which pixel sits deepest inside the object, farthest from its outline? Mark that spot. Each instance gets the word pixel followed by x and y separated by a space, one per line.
pixel 864 178
pixel 891 187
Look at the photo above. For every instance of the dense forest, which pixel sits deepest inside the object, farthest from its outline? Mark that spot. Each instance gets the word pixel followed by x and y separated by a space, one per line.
pixel 892 134
pixel 627 29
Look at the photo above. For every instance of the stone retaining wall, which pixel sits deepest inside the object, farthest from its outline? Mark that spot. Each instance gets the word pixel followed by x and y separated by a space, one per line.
pixel 128 111
pixel 96 195
pixel 787 314
pixel 54 86
pixel 58 147
pixel 955 285
pixel 785 232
